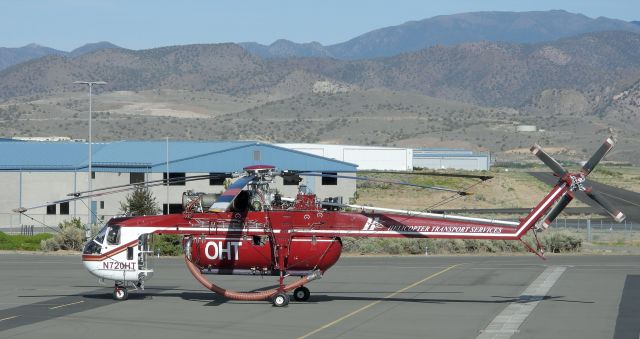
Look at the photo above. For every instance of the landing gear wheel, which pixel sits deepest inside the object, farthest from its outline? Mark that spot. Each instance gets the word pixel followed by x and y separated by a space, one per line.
pixel 120 293
pixel 280 299
pixel 301 294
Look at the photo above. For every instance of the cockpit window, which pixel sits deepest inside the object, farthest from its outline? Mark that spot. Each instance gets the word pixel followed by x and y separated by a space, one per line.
pixel 113 237
pixel 94 245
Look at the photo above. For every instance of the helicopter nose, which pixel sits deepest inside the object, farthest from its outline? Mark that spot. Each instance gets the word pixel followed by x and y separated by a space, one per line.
pixel 93 267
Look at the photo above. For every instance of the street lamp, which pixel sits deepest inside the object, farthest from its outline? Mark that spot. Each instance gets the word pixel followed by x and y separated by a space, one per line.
pixel 90 84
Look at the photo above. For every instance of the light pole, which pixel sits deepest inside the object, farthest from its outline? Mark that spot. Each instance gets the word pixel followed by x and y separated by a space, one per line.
pixel 90 84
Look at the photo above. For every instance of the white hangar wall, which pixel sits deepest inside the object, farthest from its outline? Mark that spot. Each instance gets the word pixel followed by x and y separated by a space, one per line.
pixel 366 157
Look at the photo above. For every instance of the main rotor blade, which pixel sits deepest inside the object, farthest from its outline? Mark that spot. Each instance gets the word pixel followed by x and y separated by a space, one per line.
pixel 615 213
pixel 112 190
pixel 387 182
pixel 227 197
pixel 606 146
pixel 548 160
pixel 435 174
pixel 151 183
pixel 23 209
pixel 564 201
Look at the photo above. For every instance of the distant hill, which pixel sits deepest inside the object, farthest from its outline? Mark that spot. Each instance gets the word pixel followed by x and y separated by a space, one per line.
pixel 14 56
pixel 518 27
pixel 88 48
pixel 284 48
pixel 224 68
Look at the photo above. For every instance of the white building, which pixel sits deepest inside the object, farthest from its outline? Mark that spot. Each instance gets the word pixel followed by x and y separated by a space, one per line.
pixel 366 157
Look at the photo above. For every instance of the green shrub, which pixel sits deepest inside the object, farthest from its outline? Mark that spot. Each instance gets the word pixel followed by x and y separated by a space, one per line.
pixel 560 241
pixel 70 237
pixel 168 244
pixel 553 241
pixel 50 245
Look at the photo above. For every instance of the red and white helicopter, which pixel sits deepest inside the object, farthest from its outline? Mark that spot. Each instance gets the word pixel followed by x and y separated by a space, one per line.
pixel 251 230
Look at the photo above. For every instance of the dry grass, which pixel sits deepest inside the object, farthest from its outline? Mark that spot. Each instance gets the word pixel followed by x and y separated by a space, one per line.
pixel 510 189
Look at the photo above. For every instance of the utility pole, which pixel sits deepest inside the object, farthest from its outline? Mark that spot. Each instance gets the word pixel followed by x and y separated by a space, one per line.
pixel 89 84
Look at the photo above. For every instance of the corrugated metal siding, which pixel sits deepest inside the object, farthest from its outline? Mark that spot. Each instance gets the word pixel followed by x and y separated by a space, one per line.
pixel 471 163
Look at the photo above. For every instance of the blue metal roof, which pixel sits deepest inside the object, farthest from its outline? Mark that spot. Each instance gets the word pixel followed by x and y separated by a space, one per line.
pixel 43 155
pixel 151 156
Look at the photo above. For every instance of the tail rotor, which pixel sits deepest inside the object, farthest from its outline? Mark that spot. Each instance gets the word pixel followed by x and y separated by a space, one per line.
pixel 577 182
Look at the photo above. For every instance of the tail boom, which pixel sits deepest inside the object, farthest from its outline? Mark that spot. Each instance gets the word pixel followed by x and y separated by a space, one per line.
pixel 393 223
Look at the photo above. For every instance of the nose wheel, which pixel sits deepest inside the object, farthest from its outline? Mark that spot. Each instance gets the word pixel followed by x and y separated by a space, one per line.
pixel 120 293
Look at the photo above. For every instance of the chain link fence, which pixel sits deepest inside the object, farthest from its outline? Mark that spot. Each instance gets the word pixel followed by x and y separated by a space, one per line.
pixel 600 230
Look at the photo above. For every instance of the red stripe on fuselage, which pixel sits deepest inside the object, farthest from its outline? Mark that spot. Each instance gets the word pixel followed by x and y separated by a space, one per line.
pixel 100 257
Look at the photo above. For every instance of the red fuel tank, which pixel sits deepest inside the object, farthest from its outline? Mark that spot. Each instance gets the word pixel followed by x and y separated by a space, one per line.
pixel 254 255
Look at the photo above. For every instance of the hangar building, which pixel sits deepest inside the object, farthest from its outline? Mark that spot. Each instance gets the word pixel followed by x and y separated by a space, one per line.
pixel 32 173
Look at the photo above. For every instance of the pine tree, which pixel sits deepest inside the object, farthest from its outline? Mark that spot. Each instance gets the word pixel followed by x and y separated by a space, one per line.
pixel 140 202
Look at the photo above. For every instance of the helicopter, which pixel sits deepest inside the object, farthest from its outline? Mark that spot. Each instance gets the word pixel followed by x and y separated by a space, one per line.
pixel 250 229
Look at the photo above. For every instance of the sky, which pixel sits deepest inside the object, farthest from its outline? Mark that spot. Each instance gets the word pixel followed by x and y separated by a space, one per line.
pixel 141 24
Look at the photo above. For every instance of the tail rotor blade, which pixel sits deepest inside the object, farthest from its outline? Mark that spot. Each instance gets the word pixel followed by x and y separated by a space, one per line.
pixel 564 201
pixel 615 213
pixel 548 160
pixel 598 155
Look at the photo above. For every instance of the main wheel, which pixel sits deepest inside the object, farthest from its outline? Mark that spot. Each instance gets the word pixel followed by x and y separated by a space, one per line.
pixel 120 293
pixel 301 294
pixel 280 299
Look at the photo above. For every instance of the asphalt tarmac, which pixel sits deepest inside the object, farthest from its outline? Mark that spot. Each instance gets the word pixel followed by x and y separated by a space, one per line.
pixel 361 297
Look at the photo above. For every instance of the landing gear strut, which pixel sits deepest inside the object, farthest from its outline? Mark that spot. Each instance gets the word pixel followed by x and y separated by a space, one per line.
pixel 120 293
pixel 280 299
pixel 301 294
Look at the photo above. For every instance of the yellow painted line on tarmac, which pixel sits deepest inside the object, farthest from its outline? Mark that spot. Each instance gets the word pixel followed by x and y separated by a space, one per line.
pixel 376 302
pixel 9 318
pixel 65 305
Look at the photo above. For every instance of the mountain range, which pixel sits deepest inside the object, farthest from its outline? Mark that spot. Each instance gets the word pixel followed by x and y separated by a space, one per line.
pixel 483 73
pixel 518 27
